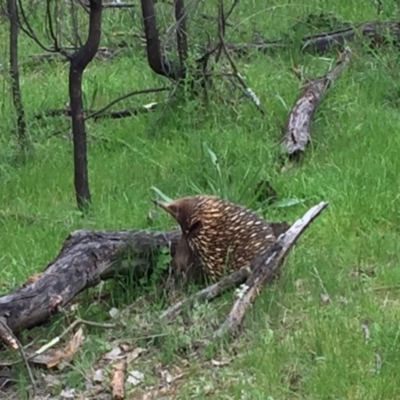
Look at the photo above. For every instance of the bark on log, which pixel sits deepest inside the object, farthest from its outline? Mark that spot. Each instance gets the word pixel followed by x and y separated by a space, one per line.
pixel 86 258
pixel 297 130
pixel 264 267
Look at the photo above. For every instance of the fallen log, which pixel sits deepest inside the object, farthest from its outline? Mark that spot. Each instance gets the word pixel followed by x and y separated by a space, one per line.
pixel 296 134
pixel 86 258
pixel 264 267
pixel 375 31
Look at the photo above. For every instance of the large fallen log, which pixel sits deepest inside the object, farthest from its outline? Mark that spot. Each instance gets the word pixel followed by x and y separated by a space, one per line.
pixel 86 258
pixel 296 134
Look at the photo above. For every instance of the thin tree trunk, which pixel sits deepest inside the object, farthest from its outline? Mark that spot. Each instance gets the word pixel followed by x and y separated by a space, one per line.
pixel 14 73
pixel 79 62
pixel 181 33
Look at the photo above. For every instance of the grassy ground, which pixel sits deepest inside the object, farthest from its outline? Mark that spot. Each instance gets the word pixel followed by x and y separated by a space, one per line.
pixel 294 345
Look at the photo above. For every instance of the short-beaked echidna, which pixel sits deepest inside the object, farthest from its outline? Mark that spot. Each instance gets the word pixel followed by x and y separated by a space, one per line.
pixel 224 236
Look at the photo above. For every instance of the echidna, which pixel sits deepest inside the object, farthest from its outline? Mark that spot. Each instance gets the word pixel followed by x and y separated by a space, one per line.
pixel 224 236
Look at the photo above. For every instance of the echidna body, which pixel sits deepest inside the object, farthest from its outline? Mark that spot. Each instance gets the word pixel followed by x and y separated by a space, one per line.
pixel 223 235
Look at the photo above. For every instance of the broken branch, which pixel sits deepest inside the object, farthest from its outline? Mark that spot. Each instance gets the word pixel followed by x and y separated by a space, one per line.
pixel 116 114
pixel 264 266
pixel 209 293
pixel 297 131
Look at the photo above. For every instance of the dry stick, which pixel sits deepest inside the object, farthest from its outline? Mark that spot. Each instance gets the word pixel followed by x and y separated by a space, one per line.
pixel 78 321
pixel 297 131
pixel 116 114
pixel 5 327
pixel 113 114
pixel 125 96
pixel 264 266
pixel 208 293
pixel 57 339
pixel 322 42
pixel 228 14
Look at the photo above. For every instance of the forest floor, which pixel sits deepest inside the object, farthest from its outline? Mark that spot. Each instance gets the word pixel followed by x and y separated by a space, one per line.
pixel 329 327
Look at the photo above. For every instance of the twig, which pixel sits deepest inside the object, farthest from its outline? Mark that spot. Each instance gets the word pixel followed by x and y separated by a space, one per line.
pixel 228 14
pixel 264 266
pixel 116 114
pixel 209 293
pixel 27 29
pixel 5 327
pixel 57 339
pixel 77 322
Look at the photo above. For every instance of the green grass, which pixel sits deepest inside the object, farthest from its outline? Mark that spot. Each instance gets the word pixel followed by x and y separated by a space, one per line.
pixel 294 346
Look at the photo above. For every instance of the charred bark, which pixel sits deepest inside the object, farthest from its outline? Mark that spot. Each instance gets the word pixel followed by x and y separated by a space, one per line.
pixel 297 131
pixel 14 73
pixel 158 62
pixel 86 258
pixel 78 63
pixel 181 34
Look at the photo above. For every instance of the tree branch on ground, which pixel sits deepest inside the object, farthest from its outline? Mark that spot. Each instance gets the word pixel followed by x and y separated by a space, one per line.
pixel 124 97
pixel 375 31
pixel 209 293
pixel 104 53
pixel 264 268
pixel 96 114
pixel 297 130
pixel 116 114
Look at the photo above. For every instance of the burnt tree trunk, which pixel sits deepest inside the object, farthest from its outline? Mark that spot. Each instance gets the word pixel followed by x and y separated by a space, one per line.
pixel 158 62
pixel 78 63
pixel 14 73
pixel 181 34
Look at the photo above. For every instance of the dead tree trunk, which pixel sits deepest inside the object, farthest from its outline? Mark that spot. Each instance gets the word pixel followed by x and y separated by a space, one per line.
pixel 181 34
pixel 14 73
pixel 157 60
pixel 78 63
pixel 297 131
